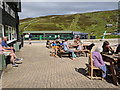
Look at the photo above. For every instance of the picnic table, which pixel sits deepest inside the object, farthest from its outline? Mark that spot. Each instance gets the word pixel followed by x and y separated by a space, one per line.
pixel 112 59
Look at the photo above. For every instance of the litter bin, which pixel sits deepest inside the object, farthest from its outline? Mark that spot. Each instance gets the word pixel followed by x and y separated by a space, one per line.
pixel 17 46
pixel 2 62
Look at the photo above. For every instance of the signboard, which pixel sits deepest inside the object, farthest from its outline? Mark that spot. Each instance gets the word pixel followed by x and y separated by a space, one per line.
pixel 109 25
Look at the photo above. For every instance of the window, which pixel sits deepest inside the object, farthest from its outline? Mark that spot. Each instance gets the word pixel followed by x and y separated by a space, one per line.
pixel 14 33
pixel 9 10
pixel 1 3
pixel 11 33
pixel 6 31
pixel 1 31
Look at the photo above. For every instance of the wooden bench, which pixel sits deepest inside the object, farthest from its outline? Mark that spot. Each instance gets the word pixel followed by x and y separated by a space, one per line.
pixel 6 60
pixel 83 52
pixel 62 52
pixel 78 53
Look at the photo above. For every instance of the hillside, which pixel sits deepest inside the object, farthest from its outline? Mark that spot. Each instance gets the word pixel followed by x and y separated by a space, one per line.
pixel 93 23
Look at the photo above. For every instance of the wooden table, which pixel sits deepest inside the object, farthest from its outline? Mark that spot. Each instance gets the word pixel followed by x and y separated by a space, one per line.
pixel 74 47
pixel 112 60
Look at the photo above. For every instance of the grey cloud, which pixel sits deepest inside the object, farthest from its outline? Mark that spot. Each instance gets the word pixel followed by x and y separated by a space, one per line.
pixel 70 0
pixel 35 9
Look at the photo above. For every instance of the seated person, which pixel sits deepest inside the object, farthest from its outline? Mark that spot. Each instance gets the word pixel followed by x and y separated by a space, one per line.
pixel 106 48
pixel 6 47
pixel 98 61
pixel 80 46
pixel 78 43
pixel 77 40
pixel 4 44
pixel 48 44
pixel 67 49
pixel 7 53
pixel 58 43
pixel 54 49
pixel 118 62
pixel 118 49
pixel 61 43
pixel 54 43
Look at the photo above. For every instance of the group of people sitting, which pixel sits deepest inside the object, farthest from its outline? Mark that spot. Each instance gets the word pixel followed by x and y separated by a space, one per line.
pixel 9 51
pixel 97 57
pixel 96 54
pixel 67 47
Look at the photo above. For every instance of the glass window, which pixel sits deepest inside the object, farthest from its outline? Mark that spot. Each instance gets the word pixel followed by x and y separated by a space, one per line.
pixel 0 30
pixel 6 31
pixel 1 3
pixel 14 34
pixel 10 32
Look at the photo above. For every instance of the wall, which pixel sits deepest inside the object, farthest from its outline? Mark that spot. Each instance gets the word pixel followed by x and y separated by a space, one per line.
pixel 8 19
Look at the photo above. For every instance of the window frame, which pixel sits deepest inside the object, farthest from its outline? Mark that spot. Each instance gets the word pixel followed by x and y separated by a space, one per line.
pixel 2 30
pixel 11 32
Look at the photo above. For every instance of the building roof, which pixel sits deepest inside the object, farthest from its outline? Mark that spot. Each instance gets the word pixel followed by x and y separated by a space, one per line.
pixel 15 2
pixel 48 31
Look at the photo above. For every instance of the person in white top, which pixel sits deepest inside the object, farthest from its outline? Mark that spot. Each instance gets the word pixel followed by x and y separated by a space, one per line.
pixel 67 49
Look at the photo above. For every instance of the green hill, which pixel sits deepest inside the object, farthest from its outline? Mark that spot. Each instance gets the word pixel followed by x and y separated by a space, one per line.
pixel 93 23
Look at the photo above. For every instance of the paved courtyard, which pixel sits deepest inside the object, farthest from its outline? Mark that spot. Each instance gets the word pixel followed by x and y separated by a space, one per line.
pixel 40 70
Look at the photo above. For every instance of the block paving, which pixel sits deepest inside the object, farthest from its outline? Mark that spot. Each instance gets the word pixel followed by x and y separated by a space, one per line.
pixel 40 70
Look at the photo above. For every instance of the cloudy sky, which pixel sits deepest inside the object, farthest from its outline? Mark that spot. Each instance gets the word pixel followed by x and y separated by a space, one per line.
pixel 36 9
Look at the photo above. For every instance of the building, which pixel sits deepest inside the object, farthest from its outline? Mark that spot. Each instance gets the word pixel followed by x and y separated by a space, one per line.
pixel 82 35
pixel 9 20
pixel 52 35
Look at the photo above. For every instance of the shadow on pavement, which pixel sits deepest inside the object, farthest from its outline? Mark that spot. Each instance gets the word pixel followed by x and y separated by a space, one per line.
pixel 84 71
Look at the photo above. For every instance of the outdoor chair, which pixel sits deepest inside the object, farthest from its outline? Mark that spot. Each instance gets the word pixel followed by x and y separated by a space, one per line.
pixel 92 68
pixel 118 74
pixel 54 51
pixel 61 52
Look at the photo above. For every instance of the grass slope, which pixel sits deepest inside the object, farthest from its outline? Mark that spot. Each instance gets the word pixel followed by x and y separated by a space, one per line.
pixel 93 23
